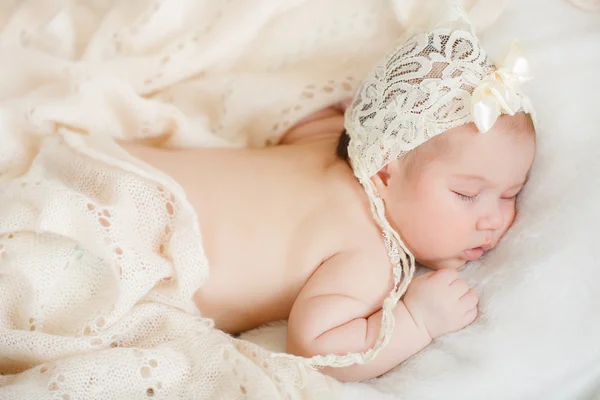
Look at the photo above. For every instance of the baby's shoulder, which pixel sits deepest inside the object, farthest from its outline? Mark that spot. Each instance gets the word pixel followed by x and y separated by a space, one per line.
pixel 364 273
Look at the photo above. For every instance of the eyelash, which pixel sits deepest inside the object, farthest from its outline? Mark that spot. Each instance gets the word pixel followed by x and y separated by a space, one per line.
pixel 466 198
pixel 472 199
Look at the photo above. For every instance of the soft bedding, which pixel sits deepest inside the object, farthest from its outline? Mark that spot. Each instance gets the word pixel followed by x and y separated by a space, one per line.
pixel 74 75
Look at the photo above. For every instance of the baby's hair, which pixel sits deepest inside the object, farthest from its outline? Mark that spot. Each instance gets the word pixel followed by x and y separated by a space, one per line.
pixel 342 147
pixel 437 146
pixel 521 122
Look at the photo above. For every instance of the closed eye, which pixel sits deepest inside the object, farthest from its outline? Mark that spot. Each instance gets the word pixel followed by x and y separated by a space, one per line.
pixel 465 197
pixel 513 197
pixel 510 198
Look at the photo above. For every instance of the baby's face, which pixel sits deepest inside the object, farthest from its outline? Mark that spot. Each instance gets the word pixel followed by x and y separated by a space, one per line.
pixel 460 204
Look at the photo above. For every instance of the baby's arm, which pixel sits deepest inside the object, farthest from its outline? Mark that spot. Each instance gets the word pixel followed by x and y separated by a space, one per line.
pixel 334 314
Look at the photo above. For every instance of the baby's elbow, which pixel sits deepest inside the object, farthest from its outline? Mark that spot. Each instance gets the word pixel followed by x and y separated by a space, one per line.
pixel 300 345
pixel 307 347
pixel 353 373
pixel 303 337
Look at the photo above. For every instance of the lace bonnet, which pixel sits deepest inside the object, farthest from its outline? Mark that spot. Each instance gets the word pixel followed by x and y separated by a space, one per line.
pixel 434 81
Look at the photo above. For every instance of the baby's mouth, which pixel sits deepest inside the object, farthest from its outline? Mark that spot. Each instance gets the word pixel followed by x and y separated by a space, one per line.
pixel 474 253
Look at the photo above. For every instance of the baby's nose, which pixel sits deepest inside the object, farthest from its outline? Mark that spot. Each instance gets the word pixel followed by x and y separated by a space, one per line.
pixel 492 220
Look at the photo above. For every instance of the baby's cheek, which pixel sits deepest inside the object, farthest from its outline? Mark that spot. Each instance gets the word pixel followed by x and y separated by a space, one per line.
pixel 509 218
pixel 437 234
pixel 430 226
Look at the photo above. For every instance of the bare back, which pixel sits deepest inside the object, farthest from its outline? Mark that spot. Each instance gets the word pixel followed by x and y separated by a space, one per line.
pixel 269 218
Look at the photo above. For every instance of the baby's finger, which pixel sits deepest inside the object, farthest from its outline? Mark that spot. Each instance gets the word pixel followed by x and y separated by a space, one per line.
pixel 446 276
pixel 459 288
pixel 469 300
pixel 471 315
pixel 426 275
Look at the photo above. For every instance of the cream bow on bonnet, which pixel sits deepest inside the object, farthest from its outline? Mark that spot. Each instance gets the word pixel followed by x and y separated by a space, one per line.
pixel 499 92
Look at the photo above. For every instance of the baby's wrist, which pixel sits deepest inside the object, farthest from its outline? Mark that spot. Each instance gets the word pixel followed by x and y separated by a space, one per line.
pixel 418 320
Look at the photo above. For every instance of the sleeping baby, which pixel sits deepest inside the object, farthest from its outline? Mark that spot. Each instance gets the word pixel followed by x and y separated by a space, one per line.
pixel 325 229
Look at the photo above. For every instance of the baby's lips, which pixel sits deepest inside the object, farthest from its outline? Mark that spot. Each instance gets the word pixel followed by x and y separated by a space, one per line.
pixel 474 253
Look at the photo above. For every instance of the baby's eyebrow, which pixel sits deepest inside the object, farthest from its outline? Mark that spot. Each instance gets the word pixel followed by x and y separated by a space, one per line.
pixel 487 182
pixel 473 178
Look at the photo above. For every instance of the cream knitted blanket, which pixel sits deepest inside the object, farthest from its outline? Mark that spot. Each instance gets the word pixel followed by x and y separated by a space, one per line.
pixel 99 254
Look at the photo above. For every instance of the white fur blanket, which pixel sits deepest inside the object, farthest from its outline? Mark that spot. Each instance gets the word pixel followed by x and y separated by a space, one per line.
pixel 235 73
pixel 539 324
pixel 537 333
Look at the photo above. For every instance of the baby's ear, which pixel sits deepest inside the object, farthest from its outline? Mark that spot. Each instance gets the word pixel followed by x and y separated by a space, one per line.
pixel 381 179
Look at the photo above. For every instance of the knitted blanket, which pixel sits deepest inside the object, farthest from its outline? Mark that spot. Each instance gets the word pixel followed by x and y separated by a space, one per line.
pixel 100 254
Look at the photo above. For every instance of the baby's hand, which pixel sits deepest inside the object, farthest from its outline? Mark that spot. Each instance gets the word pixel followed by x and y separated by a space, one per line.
pixel 440 302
